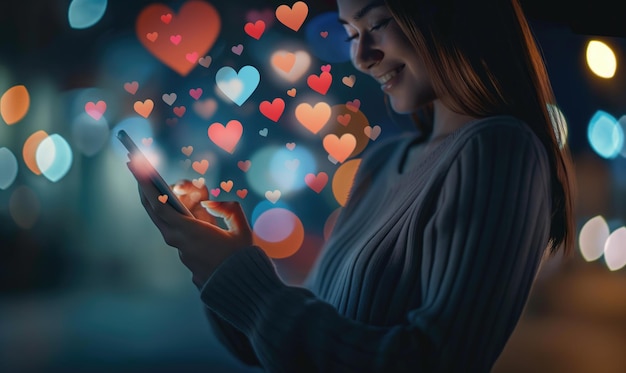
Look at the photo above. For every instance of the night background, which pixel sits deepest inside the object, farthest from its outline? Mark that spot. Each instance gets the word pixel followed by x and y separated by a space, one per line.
pixel 87 283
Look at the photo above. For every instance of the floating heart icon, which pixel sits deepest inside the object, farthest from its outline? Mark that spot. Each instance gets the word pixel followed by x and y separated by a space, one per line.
pixel 255 29
pixel 339 148
pixel 317 183
pixel 226 137
pixel 272 110
pixel 281 63
pixel 193 30
pixel 292 17
pixel 96 110
pixel 313 118
pixel 238 86
pixel 321 83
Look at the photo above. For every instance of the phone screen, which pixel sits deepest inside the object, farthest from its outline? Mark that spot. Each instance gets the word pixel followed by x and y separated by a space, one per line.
pixel 155 177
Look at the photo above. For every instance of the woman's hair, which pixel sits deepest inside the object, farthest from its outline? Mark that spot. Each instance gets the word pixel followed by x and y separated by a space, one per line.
pixel 483 61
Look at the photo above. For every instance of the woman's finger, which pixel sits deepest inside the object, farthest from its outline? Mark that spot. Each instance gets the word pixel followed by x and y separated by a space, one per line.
pixel 231 212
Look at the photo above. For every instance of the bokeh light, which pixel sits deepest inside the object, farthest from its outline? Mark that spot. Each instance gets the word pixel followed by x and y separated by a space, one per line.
pixel 89 136
pixel 85 13
pixel 559 124
pixel 601 59
pixel 8 168
pixel 615 249
pixel 343 180
pixel 29 151
pixel 24 207
pixel 54 157
pixel 329 225
pixel 14 104
pixel 279 232
pixel 605 135
pixel 592 238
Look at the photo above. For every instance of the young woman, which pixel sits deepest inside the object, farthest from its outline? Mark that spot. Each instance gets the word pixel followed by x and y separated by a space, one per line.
pixel 432 259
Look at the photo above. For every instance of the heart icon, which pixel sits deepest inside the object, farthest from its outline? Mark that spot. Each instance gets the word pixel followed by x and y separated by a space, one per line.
pixel 238 86
pixel 226 137
pixel 198 183
pixel 195 93
pixel 281 63
pixel 242 193
pixel 187 150
pixel 215 192
pixel 344 119
pixel 317 183
pixel 244 165
pixel 349 80
pixel 144 108
pixel 193 30
pixel 339 148
pixel 292 17
pixel 291 92
pixel 321 83
pixel 313 118
pixel 205 108
pixel 372 132
pixel 272 110
pixel 200 166
pixel 263 132
pixel 226 185
pixel 237 49
pixel 255 29
pixel 272 196
pixel 131 87
pixel 290 145
pixel 354 105
pixel 163 198
pixel 96 110
pixel 169 98
pixel 180 111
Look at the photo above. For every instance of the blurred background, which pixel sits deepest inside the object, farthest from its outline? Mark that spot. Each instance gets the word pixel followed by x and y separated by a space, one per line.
pixel 213 96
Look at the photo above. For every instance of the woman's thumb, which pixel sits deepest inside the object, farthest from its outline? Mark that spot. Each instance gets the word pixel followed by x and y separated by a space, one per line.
pixel 231 212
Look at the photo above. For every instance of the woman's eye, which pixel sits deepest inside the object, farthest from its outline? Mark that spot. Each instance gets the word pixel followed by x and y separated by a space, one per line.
pixel 351 37
pixel 381 24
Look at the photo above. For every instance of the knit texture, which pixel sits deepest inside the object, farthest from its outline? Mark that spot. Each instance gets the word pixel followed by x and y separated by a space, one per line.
pixel 427 270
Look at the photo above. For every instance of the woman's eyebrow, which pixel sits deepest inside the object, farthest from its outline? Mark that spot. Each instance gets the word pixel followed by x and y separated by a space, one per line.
pixel 361 13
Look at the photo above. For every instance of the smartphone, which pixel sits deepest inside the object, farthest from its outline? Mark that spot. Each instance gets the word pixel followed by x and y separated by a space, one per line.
pixel 155 177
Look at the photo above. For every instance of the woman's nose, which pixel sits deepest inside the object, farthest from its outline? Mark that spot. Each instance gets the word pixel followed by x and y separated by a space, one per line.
pixel 365 54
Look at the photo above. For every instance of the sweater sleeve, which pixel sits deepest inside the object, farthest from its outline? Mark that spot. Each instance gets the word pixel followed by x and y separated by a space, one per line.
pixel 480 247
pixel 232 339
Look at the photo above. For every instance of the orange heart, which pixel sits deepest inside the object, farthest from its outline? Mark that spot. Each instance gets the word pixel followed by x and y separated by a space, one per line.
pixel 291 92
pixel 144 108
pixel 194 30
pixel 283 61
pixel 200 166
pixel 227 185
pixel 313 118
pixel 187 150
pixel 349 80
pixel 242 193
pixel 292 17
pixel 163 198
pixel 340 148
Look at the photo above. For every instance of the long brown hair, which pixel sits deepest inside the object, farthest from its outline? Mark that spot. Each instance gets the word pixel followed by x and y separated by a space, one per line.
pixel 483 61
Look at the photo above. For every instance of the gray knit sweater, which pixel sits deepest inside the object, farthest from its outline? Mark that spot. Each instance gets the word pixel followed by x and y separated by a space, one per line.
pixel 426 270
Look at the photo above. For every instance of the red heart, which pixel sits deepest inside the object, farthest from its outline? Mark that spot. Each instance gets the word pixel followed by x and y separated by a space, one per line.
pixel 197 22
pixel 274 109
pixel 317 183
pixel 180 111
pixel 255 29
pixel 344 119
pixel 321 83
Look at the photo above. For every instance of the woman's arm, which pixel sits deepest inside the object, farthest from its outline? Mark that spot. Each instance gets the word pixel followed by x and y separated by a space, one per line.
pixel 232 339
pixel 480 249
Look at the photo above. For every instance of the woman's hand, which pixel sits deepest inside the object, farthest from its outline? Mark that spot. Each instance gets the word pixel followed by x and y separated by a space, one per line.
pixel 202 245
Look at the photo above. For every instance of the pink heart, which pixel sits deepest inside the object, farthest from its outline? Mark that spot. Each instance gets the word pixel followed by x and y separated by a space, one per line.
pixel 195 93
pixel 237 49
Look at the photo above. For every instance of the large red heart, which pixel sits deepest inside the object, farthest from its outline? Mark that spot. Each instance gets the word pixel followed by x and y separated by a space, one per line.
pixel 184 38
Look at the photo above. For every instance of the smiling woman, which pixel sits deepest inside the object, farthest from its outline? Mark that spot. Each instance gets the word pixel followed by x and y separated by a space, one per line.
pixel 433 255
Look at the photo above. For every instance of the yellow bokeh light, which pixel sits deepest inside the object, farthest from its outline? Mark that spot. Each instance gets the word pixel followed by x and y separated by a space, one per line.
pixel 601 59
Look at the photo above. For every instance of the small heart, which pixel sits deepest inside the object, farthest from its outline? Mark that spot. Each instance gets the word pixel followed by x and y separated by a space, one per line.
pixel 244 165
pixel 372 132
pixel 152 36
pixel 255 30
pixel 187 150
pixel 169 98
pixel 227 185
pixel 292 164
pixel 163 198
pixel 349 80
pixel 325 68
pixel 291 92
pixel 131 87
pixel 200 166
pixel 144 108
pixel 237 49
pixel 272 196
pixel 198 183
pixel 290 145
pixel 166 18
pixel 195 93
pixel 180 111
pixel 176 39
pixel 344 119
pixel 146 141
pixel 215 192
pixel 324 34
pixel 354 105
pixel 192 57
pixel 317 183
pixel 205 61
pixel 242 193
pixel 263 132
pixel 96 110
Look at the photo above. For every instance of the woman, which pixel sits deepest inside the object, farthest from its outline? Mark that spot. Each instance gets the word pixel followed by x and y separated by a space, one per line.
pixel 432 259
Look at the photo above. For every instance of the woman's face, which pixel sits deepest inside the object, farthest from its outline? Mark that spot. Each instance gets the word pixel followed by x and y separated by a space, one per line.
pixel 380 48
